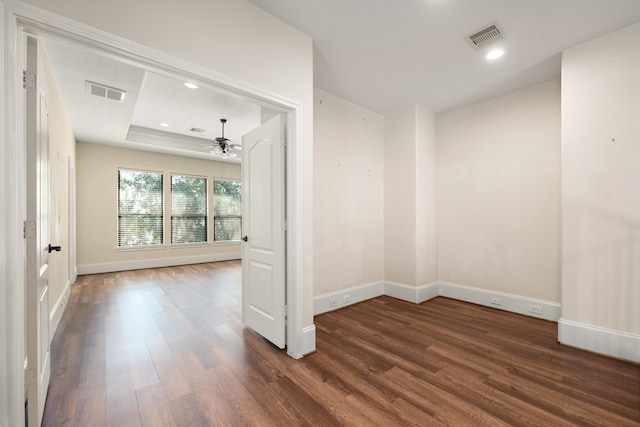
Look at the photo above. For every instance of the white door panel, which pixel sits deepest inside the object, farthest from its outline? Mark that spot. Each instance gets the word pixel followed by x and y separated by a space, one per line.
pixel 263 253
pixel 37 295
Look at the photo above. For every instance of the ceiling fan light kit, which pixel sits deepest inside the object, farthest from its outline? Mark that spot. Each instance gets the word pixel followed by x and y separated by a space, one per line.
pixel 224 147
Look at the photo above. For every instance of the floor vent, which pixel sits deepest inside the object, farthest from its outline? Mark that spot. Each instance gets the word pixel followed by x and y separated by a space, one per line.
pixel 485 36
pixel 104 91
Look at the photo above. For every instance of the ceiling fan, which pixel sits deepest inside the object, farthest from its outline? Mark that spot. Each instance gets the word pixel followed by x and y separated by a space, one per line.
pixel 224 147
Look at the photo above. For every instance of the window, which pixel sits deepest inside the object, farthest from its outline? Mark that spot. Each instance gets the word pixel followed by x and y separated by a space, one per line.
pixel 140 208
pixel 188 209
pixel 227 211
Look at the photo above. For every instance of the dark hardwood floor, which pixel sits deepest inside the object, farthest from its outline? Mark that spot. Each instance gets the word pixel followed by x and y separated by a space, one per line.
pixel 166 347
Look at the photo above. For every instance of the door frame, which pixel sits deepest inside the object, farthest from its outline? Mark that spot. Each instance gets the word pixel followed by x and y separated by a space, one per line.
pixel 17 16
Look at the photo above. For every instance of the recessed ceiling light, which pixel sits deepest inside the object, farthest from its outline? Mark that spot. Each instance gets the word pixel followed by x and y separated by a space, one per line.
pixel 164 125
pixel 191 85
pixel 494 54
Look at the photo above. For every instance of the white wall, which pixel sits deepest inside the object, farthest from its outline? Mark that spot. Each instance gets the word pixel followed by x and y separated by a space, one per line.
pixel 97 208
pixel 601 185
pixel 498 220
pixel 234 39
pixel 348 195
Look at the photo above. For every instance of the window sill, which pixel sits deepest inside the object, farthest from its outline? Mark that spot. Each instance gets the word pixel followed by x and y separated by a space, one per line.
pixel 140 248
pixel 189 245
pixel 227 242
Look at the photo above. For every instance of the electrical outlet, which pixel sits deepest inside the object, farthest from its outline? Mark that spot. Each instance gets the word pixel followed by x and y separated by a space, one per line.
pixel 496 301
pixel 346 299
pixel 333 303
pixel 535 309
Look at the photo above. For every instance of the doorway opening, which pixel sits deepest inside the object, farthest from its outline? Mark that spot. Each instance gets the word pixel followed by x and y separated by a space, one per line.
pixel 33 24
pixel 270 105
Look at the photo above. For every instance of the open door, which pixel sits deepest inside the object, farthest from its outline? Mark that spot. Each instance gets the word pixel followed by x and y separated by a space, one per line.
pixel 263 225
pixel 37 237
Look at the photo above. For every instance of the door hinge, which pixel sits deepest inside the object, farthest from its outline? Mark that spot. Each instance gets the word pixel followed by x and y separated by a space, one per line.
pixel 28 80
pixel 284 139
pixel 29 230
pixel 284 312
pixel 285 225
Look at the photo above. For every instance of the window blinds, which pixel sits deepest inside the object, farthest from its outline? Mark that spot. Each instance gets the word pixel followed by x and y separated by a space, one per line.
pixel 227 216
pixel 140 208
pixel 188 209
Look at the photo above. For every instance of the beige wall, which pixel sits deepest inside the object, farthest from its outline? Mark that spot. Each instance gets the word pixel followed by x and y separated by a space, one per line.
pixel 498 194
pixel 409 197
pixel 426 201
pixel 400 196
pixel 61 156
pixel 255 49
pixel 348 197
pixel 97 207
pixel 601 182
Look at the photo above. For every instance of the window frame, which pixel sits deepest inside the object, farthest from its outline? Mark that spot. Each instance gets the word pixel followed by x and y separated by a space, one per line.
pixel 213 212
pixel 151 246
pixel 207 215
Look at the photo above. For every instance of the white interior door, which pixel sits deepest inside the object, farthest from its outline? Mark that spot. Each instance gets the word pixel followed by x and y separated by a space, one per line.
pixel 37 236
pixel 263 225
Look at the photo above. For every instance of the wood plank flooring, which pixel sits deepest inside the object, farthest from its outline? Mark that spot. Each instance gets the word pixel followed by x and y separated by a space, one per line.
pixel 166 347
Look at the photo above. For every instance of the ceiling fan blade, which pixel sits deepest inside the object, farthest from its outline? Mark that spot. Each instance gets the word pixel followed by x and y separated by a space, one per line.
pixel 206 148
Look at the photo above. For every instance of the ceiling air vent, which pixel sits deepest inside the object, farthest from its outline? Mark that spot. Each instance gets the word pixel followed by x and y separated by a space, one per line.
pixel 197 130
pixel 104 91
pixel 485 36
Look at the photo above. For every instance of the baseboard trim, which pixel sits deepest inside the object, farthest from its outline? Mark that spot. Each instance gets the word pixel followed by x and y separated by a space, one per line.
pixel 58 310
pixel 547 310
pixel 342 298
pixel 514 303
pixel 308 339
pixel 428 291
pixel 110 267
pixel 415 294
pixel 609 342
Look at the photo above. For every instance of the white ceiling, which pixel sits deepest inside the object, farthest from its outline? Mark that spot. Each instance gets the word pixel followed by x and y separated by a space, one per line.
pixel 150 99
pixel 387 54
pixel 381 54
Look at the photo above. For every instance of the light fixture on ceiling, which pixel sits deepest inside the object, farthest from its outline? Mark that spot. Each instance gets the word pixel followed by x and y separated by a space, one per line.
pixel 164 125
pixel 494 54
pixel 191 85
pixel 224 147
